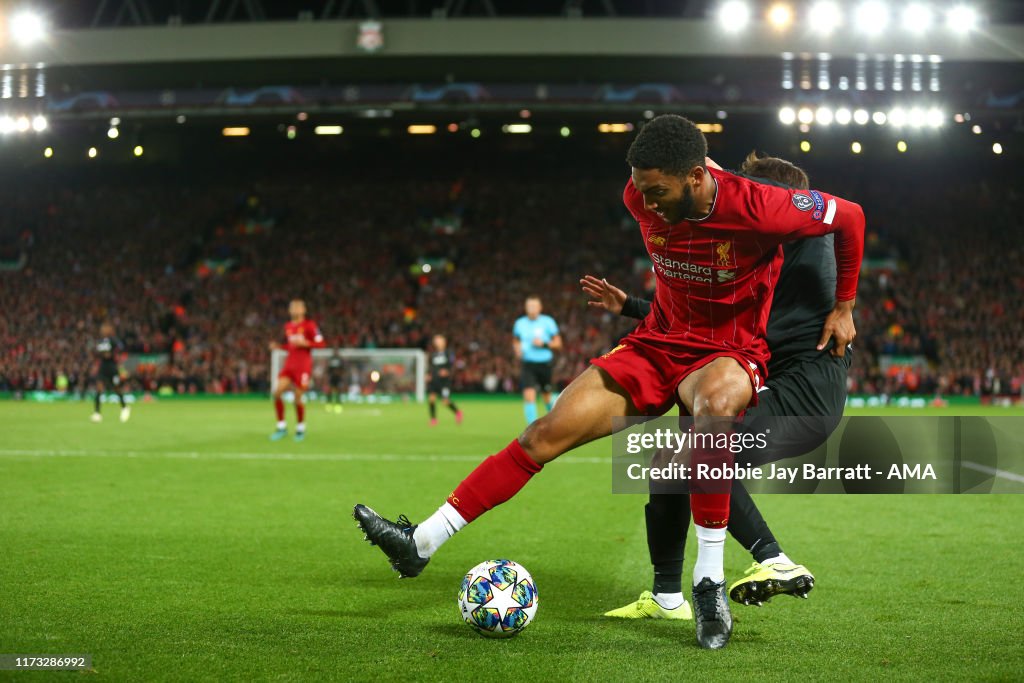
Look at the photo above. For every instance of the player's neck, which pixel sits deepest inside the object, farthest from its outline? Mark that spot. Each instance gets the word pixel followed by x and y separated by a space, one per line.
pixel 707 199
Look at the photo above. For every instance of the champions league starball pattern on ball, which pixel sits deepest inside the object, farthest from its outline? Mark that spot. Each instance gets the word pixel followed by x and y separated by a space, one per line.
pixel 498 598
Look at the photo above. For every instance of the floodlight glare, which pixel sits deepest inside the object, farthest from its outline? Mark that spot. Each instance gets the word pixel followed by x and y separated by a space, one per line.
pixel 27 28
pixel 861 117
pixel 962 19
pixel 871 17
pixel 824 17
pixel 787 116
pixel 733 16
pixel 917 17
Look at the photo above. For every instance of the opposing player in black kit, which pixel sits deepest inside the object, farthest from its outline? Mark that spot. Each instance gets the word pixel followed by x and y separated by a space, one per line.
pixel 441 363
pixel 803 380
pixel 335 382
pixel 108 375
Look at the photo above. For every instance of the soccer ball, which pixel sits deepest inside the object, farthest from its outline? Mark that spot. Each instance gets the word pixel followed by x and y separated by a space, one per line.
pixel 498 598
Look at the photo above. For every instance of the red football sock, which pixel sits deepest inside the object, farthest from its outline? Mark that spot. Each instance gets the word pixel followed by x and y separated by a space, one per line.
pixel 494 481
pixel 709 495
pixel 279 409
pixel 300 412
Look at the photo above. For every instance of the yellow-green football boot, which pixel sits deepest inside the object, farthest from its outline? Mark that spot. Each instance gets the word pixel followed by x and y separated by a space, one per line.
pixel 764 581
pixel 646 607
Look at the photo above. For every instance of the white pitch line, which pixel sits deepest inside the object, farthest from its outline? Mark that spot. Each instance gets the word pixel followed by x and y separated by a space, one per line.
pixel 214 455
pixel 1002 474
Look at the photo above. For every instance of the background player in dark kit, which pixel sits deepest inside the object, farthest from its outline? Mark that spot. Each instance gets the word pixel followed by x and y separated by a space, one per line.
pixel 108 374
pixel 440 365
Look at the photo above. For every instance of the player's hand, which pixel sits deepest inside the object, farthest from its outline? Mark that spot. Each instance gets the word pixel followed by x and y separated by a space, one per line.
pixel 538 342
pixel 839 326
pixel 603 295
pixel 274 346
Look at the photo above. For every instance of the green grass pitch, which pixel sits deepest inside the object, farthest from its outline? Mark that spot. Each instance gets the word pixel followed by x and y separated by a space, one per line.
pixel 184 545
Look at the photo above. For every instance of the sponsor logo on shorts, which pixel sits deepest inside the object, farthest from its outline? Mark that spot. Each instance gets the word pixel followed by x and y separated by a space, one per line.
pixel 617 348
pixel 802 202
pixel 657 240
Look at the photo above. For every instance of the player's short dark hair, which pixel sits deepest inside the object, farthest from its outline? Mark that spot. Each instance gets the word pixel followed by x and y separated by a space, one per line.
pixel 774 168
pixel 669 143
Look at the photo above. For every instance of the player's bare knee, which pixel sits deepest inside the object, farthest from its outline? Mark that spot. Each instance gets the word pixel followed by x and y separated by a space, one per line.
pixel 540 440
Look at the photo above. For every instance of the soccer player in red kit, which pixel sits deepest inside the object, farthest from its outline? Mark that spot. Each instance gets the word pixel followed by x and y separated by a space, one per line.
pixel 301 337
pixel 715 241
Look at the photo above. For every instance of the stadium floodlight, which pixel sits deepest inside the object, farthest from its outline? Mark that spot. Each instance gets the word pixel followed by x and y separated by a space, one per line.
pixel 138 151
pixel 861 117
pixel 40 123
pixel 935 117
pixel 855 147
pixel 23 124
pixel 805 115
pixel 48 152
pixel 917 117
pixel 517 128
pixel 843 116
pixel 112 132
pixel 475 133
pixel 27 28
pixel 997 148
pixel 976 129
pixel 871 17
pixel 422 129
pixel 879 118
pixel 823 116
pixel 328 130
pixel 614 127
pixel 901 146
pixel 917 17
pixel 897 118
pixel 780 16
pixel 7 125
pixel 805 146
pixel 824 17
pixel 733 15
pixel 962 19
pixel 565 131
pixel 93 152
pixel 787 116
pixel 235 132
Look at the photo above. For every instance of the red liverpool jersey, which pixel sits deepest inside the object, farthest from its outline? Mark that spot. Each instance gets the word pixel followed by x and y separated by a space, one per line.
pixel 716 276
pixel 294 331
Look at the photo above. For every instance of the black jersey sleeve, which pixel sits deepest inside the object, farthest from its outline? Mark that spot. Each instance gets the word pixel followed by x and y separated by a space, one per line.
pixel 635 307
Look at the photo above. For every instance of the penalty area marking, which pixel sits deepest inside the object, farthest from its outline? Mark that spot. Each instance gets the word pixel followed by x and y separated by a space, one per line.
pixel 219 455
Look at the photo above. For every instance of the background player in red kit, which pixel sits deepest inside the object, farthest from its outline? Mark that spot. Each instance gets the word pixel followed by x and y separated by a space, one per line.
pixel 715 240
pixel 301 337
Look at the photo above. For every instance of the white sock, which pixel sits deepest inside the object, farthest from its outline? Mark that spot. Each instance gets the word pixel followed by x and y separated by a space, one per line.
pixel 778 559
pixel 438 528
pixel 669 600
pixel 282 425
pixel 301 427
pixel 710 555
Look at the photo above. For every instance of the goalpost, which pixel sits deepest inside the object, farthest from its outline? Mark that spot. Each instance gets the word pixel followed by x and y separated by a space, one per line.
pixel 369 375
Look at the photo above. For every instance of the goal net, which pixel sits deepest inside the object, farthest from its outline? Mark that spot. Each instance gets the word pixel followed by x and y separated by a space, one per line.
pixel 363 375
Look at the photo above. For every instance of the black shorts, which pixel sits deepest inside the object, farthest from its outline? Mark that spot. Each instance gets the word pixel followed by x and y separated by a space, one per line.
pixel 536 376
pixel 809 393
pixel 109 376
pixel 441 386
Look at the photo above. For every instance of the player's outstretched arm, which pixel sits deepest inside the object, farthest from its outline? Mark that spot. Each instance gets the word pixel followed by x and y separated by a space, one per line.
pixel 796 214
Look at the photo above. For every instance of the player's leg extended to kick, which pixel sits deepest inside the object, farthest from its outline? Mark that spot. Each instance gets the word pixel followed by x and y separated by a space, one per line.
pixel 714 394
pixel 582 414
pixel 283 385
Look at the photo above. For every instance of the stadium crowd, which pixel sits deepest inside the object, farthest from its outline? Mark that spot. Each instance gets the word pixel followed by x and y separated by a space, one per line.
pixel 196 277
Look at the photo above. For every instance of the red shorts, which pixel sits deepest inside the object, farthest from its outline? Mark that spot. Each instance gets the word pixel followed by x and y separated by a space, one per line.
pixel 651 372
pixel 298 374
